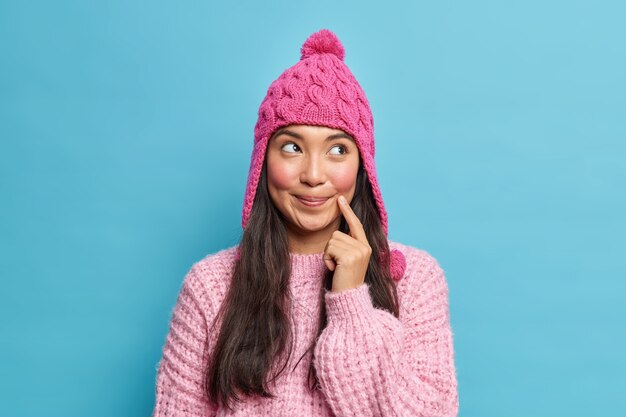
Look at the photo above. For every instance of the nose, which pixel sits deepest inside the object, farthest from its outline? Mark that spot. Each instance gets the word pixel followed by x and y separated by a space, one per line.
pixel 313 172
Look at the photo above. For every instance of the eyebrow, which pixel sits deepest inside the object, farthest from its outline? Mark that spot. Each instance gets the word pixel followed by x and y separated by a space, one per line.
pixel 298 136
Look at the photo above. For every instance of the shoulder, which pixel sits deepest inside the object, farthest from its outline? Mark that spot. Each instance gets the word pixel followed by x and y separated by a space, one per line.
pixel 423 279
pixel 416 259
pixel 208 279
pixel 217 264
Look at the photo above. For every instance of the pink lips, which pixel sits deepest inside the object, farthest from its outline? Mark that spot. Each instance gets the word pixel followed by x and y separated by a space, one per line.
pixel 312 201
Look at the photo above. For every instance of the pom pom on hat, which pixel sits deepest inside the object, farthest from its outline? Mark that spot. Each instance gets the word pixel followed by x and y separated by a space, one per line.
pixel 322 42
pixel 397 264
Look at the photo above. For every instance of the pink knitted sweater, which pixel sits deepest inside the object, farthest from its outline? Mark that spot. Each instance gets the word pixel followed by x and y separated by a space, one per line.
pixel 369 362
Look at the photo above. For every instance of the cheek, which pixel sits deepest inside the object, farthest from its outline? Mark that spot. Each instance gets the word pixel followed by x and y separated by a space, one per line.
pixel 344 178
pixel 280 176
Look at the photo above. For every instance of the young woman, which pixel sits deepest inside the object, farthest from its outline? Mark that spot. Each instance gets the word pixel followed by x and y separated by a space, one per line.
pixel 315 312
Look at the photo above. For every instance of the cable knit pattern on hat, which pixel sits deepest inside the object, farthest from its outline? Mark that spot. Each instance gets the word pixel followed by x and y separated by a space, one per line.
pixel 369 362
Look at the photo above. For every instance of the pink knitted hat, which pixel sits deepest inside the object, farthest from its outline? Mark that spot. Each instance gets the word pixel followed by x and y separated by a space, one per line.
pixel 318 90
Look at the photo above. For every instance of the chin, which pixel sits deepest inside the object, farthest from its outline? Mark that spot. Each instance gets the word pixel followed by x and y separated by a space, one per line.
pixel 311 226
pixel 314 226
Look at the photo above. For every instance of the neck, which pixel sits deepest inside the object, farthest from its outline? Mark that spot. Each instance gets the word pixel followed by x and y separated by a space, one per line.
pixel 305 242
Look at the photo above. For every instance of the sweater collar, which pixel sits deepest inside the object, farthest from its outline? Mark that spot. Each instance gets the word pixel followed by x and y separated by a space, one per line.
pixel 307 264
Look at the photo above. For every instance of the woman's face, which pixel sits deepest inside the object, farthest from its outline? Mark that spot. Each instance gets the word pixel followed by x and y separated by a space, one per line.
pixel 315 163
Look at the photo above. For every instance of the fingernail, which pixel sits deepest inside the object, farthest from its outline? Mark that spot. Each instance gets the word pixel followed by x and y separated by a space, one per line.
pixel 342 199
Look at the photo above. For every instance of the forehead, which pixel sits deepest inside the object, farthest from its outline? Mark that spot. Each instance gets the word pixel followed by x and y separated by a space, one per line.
pixel 311 133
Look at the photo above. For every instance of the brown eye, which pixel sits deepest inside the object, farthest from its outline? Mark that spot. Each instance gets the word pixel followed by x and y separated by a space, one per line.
pixel 341 148
pixel 288 146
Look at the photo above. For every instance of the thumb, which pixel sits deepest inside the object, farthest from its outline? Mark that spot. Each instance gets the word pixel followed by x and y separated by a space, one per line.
pixel 330 263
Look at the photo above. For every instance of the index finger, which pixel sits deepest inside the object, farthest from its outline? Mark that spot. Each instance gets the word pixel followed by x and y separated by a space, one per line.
pixel 356 228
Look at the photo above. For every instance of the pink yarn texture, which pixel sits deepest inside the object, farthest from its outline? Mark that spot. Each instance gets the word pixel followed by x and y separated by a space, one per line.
pixel 369 362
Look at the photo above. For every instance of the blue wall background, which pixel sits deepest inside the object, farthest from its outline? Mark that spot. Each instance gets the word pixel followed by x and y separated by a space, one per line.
pixel 126 131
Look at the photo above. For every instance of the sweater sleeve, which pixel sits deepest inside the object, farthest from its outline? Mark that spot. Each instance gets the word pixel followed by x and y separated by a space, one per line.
pixel 370 363
pixel 179 384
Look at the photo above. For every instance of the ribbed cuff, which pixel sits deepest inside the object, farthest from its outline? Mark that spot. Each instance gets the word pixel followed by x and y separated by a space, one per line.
pixel 352 304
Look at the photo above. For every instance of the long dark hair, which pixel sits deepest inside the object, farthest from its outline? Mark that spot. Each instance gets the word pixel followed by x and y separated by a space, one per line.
pixel 254 344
